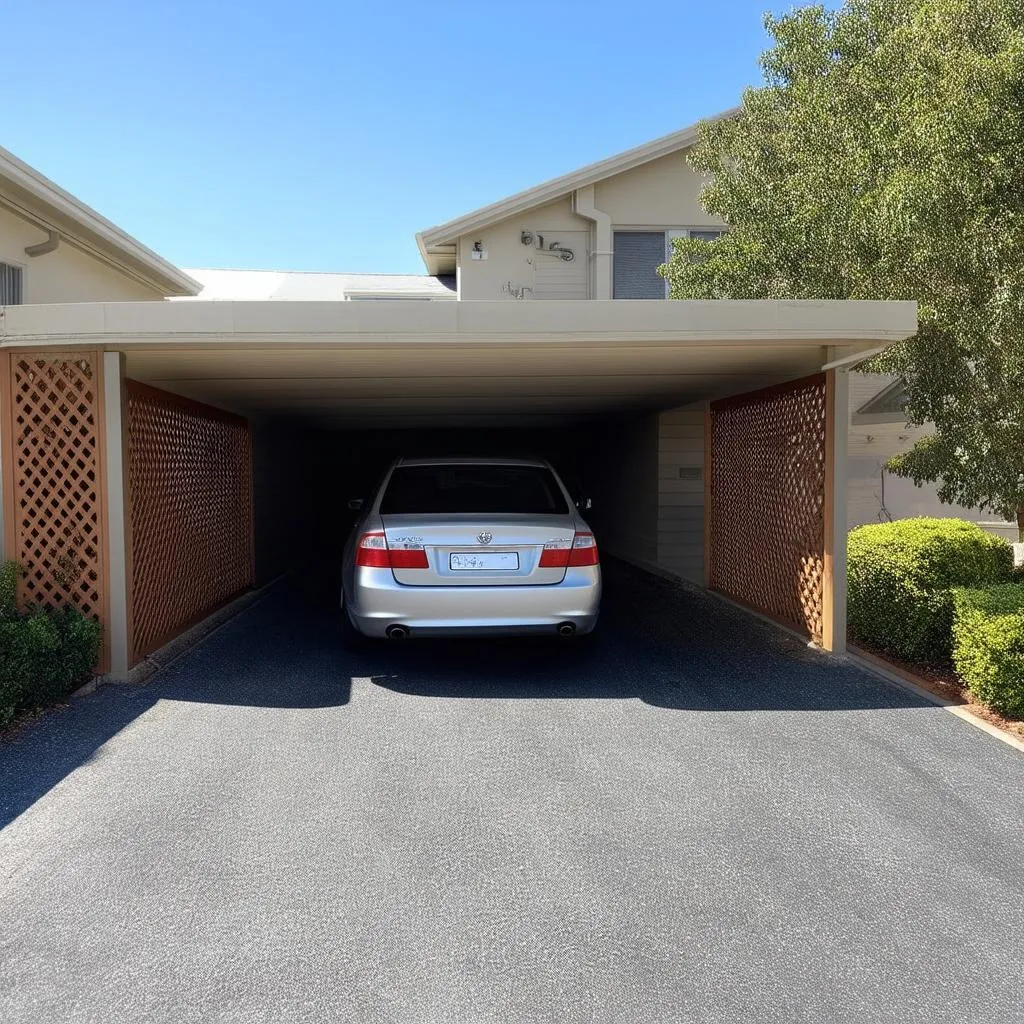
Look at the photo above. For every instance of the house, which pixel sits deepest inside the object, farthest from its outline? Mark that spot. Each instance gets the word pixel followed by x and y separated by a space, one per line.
pixel 158 458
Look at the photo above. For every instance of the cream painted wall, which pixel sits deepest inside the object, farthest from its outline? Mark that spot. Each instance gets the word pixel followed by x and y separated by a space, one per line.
pixel 664 193
pixel 66 275
pixel 509 270
pixel 661 194
pixel 647 482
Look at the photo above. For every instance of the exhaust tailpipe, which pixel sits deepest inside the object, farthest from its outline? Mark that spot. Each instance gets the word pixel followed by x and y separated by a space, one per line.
pixel 566 629
pixel 397 632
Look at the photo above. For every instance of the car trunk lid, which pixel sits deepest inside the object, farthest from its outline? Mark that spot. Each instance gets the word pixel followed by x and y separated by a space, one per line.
pixel 479 550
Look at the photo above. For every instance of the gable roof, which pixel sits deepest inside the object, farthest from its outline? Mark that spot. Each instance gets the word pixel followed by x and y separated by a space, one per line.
pixel 37 199
pixel 430 240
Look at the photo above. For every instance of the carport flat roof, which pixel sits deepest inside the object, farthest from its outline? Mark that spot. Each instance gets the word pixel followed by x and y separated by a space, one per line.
pixel 466 363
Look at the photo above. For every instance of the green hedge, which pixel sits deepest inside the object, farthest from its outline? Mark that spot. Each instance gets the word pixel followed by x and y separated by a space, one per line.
pixel 900 578
pixel 43 655
pixel 988 645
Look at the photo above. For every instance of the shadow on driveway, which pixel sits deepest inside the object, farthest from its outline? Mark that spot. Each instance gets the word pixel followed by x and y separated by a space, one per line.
pixel 279 653
pixel 657 642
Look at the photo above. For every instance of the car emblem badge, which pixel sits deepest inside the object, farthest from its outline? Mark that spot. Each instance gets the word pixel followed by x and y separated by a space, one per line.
pixel 485 538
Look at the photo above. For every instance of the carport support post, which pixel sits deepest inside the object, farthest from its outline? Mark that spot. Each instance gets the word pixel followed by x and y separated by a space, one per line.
pixel 118 625
pixel 6 460
pixel 837 419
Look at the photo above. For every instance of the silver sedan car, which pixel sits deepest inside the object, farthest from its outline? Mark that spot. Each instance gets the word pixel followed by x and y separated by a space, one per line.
pixel 470 546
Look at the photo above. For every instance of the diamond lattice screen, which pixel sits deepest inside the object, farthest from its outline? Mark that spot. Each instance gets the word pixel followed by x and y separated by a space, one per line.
pixel 189 485
pixel 55 408
pixel 767 542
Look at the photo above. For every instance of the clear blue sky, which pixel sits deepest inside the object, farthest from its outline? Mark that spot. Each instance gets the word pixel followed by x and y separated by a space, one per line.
pixel 309 135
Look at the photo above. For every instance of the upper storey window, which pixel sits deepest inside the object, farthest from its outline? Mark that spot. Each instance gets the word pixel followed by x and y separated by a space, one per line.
pixel 638 254
pixel 10 285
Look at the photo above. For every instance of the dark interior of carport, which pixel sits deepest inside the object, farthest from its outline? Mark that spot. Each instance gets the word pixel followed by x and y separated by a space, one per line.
pixel 623 424
pixel 326 423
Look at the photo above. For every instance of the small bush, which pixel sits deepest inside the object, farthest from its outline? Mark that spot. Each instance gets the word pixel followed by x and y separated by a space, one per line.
pixel 43 655
pixel 900 576
pixel 988 645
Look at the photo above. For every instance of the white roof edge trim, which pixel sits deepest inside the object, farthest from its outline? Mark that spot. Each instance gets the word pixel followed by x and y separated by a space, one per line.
pixel 50 194
pixel 854 324
pixel 555 188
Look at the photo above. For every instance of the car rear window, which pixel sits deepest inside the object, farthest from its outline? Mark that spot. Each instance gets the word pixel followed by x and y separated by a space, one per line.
pixel 470 488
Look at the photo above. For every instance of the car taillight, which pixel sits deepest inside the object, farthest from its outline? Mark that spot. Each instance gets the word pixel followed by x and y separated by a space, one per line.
pixel 584 550
pixel 555 554
pixel 408 558
pixel 372 552
pixel 563 554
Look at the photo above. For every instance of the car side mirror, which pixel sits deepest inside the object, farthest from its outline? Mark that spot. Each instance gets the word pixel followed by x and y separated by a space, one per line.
pixel 585 504
pixel 355 504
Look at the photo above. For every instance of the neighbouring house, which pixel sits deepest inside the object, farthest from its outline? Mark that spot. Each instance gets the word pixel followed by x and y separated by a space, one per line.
pixel 878 431
pixel 158 458
pixel 53 248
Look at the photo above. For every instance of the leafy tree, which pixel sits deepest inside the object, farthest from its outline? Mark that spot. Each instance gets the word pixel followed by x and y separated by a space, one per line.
pixel 883 158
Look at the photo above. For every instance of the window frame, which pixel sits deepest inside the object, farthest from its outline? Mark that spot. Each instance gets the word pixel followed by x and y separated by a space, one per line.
pixel 19 268
pixel 669 234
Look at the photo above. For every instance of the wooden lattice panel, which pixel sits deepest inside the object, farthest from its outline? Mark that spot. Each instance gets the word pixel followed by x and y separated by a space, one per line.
pixel 767 501
pixel 190 501
pixel 53 420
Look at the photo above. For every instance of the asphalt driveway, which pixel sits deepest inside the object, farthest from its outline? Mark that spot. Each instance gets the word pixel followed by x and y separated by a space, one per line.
pixel 694 819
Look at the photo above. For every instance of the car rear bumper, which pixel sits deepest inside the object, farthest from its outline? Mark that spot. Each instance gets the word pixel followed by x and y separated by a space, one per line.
pixel 377 602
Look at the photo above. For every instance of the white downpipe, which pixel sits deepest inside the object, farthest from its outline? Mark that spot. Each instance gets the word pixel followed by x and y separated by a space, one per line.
pixel 583 205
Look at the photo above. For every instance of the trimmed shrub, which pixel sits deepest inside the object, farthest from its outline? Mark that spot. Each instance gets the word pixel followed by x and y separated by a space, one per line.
pixel 43 655
pixel 988 645
pixel 900 575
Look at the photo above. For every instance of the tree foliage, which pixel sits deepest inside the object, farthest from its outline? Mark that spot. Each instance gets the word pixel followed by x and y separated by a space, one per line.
pixel 883 158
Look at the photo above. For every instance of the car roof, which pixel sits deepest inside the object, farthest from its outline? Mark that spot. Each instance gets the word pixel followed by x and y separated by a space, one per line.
pixel 470 460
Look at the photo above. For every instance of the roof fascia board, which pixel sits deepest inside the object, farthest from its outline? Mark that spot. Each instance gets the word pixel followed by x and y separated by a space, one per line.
pixel 91 231
pixel 549 191
pixel 857 325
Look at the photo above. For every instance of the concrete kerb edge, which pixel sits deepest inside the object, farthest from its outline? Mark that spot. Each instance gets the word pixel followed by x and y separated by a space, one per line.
pixel 905 682
pixel 180 645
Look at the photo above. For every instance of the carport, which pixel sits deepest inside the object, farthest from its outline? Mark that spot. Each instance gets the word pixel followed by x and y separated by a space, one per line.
pixel 161 458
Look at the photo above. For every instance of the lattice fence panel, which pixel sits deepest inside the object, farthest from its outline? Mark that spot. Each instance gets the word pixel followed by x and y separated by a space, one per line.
pixel 767 543
pixel 55 408
pixel 189 480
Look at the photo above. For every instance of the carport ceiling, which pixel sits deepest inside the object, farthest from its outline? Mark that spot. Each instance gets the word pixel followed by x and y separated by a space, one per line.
pixel 386 387
pixel 387 364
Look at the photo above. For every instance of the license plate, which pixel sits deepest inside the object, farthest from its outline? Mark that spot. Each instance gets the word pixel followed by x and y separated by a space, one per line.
pixel 483 561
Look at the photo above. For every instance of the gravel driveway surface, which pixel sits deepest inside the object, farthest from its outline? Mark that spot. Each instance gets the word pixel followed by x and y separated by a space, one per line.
pixel 694 819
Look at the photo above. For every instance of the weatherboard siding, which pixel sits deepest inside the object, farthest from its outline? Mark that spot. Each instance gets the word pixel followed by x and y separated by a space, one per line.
pixel 681 492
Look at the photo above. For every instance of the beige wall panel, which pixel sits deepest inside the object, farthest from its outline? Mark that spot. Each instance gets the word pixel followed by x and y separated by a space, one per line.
pixel 661 193
pixel 509 270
